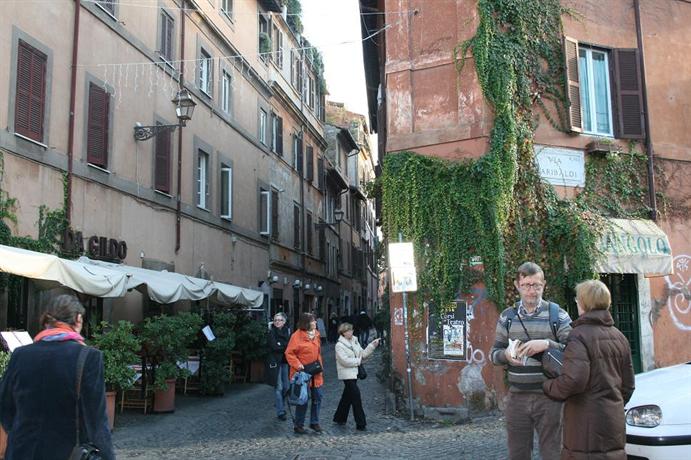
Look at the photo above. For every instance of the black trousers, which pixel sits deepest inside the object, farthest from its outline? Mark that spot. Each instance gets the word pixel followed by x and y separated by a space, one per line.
pixel 350 397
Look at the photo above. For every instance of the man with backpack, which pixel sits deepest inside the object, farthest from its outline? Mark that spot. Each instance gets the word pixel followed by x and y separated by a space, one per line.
pixel 539 325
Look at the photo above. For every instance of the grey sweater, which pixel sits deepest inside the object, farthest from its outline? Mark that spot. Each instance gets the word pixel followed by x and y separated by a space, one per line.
pixel 530 376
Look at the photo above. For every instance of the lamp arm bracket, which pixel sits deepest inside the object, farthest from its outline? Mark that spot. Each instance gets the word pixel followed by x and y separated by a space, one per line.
pixel 142 133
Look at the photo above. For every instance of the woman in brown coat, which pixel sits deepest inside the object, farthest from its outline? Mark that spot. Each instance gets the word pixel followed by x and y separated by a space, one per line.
pixel 597 380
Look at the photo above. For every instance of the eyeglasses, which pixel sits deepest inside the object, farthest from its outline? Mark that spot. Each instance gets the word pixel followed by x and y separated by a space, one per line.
pixel 535 286
pixel 279 320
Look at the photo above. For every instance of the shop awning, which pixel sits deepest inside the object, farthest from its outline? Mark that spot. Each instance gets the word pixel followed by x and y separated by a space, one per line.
pixel 168 287
pixel 52 270
pixel 635 246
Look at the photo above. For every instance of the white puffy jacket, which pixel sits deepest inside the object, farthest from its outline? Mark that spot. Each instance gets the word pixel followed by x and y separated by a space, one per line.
pixel 349 355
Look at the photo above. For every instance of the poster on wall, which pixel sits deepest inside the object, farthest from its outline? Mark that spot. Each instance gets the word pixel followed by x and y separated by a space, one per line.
pixel 447 331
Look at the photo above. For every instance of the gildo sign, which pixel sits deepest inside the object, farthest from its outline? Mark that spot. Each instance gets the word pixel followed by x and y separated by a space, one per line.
pixel 97 247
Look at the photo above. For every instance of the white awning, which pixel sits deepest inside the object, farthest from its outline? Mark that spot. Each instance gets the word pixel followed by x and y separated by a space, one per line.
pixel 52 270
pixel 635 246
pixel 168 287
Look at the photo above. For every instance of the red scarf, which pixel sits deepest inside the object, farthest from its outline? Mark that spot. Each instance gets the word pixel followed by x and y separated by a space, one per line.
pixel 60 332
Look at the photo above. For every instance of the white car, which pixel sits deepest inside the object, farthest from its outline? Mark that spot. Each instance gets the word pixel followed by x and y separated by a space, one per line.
pixel 658 416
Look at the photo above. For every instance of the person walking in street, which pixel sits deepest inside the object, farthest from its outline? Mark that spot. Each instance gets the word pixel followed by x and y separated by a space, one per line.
pixel 363 325
pixel 277 373
pixel 333 327
pixel 539 325
pixel 349 355
pixel 321 327
pixel 38 393
pixel 305 348
pixel 597 379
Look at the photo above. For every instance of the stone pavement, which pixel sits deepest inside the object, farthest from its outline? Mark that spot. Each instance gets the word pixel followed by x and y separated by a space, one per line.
pixel 242 424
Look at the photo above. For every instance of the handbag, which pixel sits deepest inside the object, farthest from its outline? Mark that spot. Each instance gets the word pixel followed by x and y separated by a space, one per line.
pixel 313 368
pixel 85 450
pixel 361 372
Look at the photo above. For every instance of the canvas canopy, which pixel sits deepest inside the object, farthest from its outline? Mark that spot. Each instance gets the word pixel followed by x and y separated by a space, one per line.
pixel 53 271
pixel 635 246
pixel 168 287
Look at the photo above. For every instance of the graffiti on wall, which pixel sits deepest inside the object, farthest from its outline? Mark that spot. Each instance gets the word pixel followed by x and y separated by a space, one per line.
pixel 678 292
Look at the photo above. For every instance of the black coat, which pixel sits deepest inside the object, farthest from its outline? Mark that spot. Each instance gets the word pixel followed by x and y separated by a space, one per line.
pixel 38 399
pixel 278 342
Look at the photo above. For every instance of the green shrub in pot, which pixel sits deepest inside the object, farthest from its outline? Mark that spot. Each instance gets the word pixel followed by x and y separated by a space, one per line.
pixel 216 354
pixel 120 347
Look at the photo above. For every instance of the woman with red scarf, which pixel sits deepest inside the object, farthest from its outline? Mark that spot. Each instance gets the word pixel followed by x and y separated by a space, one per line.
pixel 38 391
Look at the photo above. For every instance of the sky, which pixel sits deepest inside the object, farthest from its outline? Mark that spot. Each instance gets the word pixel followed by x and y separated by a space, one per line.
pixel 327 24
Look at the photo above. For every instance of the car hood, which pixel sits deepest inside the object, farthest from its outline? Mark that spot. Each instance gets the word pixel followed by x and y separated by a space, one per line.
pixel 670 389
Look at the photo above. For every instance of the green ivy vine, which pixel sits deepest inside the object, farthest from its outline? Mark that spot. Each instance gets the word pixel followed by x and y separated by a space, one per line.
pixel 497 207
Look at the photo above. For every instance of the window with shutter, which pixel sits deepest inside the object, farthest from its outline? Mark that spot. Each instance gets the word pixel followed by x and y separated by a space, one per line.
pixel 300 160
pixel 274 215
pixel 162 165
pixel 226 85
pixel 262 126
pixel 596 99
pixel 97 130
pixel 320 173
pixel 226 192
pixel 573 83
pixel 264 212
pixel 205 72
pixel 202 179
pixel 322 244
pixel 296 226
pixel 309 233
pixel 309 174
pixel 31 91
pixel 279 136
pixel 166 36
pixel 631 124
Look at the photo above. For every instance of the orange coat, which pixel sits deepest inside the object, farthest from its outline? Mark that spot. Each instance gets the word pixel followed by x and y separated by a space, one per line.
pixel 302 350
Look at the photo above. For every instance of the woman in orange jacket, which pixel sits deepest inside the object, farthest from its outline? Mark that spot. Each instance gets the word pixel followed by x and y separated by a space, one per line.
pixel 305 348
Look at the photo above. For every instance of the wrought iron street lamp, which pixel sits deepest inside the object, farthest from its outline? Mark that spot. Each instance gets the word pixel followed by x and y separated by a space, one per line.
pixel 338 217
pixel 184 108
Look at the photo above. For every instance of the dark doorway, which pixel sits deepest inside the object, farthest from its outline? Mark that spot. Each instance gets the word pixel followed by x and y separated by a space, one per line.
pixel 17 302
pixel 624 290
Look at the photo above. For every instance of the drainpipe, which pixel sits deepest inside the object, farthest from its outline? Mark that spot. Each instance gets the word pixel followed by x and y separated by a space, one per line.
pixel 178 209
pixel 646 116
pixel 70 129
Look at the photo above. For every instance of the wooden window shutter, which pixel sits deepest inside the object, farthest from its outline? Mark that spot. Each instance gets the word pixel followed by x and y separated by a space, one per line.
pixel 309 233
pixel 279 136
pixel 166 36
pixel 274 214
pixel 573 85
pixel 310 163
pixel 162 165
pixel 629 94
pixel 320 173
pixel 322 244
pixel 31 90
pixel 296 226
pixel 97 135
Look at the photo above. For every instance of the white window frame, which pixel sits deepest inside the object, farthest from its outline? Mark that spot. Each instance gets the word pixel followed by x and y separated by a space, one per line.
pixel 227 170
pixel 205 72
pixel 202 179
pixel 274 133
pixel 265 197
pixel 591 93
pixel 226 84
pixel 227 8
pixel 262 126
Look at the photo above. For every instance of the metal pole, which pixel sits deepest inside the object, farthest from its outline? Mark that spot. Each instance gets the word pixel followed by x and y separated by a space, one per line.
pixel 409 370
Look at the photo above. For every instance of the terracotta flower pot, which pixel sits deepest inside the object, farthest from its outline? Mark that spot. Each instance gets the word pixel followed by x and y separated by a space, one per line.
pixel 164 400
pixel 110 408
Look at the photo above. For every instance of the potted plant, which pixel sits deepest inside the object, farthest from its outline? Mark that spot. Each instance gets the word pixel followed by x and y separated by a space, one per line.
pixel 251 340
pixel 4 360
pixel 120 347
pixel 165 340
pixel 216 354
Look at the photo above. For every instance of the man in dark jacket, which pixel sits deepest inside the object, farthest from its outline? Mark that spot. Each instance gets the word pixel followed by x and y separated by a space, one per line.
pixel 527 409
pixel 597 380
pixel 277 373
pixel 363 325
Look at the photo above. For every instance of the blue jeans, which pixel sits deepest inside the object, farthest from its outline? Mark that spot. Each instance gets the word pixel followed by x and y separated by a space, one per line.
pixel 363 338
pixel 282 384
pixel 301 411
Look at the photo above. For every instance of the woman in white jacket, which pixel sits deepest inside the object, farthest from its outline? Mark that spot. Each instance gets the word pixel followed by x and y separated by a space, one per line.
pixel 349 355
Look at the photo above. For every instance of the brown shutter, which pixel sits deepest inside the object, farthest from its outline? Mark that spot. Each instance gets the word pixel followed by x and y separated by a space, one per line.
pixel 274 214
pixel 97 135
pixel 300 164
pixel 279 137
pixel 310 163
pixel 320 173
pixel 322 244
pixel 162 165
pixel 166 36
pixel 629 94
pixel 573 84
pixel 309 233
pixel 296 227
pixel 31 89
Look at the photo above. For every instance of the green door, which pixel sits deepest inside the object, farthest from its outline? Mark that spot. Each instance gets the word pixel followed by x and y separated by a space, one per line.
pixel 625 310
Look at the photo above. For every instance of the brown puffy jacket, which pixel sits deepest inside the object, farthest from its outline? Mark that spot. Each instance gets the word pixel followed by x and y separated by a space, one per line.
pixel 596 382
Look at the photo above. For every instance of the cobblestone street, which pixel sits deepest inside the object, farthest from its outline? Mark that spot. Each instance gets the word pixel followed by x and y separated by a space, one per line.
pixel 242 424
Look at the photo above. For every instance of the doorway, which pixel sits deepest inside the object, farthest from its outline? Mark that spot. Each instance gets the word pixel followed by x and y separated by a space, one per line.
pixel 624 290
